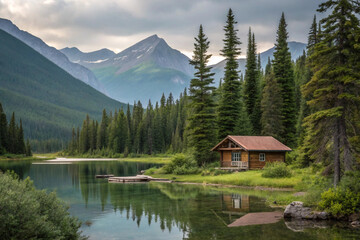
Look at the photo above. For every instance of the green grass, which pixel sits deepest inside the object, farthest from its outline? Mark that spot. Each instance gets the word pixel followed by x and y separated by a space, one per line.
pixel 157 160
pixel 250 178
pixel 21 157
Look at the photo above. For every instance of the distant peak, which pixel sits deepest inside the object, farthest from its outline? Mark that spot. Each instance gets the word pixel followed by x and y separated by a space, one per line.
pixel 5 20
pixel 154 36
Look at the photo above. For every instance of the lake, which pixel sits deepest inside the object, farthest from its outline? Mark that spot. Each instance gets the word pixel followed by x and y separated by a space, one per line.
pixel 160 210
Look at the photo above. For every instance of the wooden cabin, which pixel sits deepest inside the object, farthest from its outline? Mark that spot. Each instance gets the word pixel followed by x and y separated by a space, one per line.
pixel 250 152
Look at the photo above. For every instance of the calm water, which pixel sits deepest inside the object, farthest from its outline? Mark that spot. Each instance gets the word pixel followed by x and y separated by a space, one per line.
pixel 158 210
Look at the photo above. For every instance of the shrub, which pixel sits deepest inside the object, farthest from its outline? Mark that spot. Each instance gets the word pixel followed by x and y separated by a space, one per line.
pixel 340 202
pixel 151 171
pixel 276 170
pixel 27 213
pixel 181 164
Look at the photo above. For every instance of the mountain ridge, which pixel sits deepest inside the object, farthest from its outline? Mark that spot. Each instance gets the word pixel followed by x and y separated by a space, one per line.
pixel 76 70
pixel 142 71
pixel 48 99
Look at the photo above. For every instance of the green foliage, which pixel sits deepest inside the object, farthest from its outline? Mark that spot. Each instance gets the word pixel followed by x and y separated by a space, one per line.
pixel 202 125
pixel 334 89
pixel 340 202
pixel 213 172
pixel 28 213
pixel 284 76
pixel 232 114
pixel 252 85
pixel 151 131
pixel 181 165
pixel 276 170
pixel 271 103
pixel 12 136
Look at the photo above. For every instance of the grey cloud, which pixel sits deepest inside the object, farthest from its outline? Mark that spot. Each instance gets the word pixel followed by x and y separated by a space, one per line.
pixel 91 25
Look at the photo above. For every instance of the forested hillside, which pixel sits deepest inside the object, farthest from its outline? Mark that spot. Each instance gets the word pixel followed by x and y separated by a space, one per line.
pixel 47 99
pixel 311 105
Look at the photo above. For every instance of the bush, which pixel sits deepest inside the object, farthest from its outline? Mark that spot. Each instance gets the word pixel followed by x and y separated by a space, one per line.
pixel 340 202
pixel 27 213
pixel 276 170
pixel 181 165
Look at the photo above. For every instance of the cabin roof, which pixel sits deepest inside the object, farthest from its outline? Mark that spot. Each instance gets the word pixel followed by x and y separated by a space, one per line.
pixel 256 143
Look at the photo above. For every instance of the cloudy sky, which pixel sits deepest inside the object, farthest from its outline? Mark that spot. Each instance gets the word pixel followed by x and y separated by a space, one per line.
pixel 117 24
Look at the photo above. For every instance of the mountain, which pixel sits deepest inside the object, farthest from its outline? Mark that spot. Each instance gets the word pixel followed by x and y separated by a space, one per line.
pixel 76 70
pixel 141 72
pixel 86 59
pixel 47 99
pixel 296 49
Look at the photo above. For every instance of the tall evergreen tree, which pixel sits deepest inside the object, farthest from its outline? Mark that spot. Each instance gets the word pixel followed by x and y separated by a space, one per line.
pixel 102 136
pixel 12 135
pixel 202 120
pixel 3 130
pixel 20 143
pixel 28 152
pixel 251 84
pixel 334 88
pixel 283 71
pixel 271 104
pixel 312 37
pixel 232 119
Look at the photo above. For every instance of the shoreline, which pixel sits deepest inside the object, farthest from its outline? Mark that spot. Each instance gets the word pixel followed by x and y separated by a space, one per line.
pixel 260 188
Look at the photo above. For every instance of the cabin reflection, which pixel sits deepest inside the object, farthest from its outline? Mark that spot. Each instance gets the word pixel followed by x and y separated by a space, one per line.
pixel 235 203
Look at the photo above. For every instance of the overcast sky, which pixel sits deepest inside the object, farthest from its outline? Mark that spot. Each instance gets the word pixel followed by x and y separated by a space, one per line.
pixel 117 24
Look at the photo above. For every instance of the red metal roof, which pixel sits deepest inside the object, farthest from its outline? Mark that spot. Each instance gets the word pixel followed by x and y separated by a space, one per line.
pixel 257 143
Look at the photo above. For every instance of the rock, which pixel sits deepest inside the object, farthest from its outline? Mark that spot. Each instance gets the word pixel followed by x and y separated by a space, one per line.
pixel 296 210
pixel 322 215
pixel 355 224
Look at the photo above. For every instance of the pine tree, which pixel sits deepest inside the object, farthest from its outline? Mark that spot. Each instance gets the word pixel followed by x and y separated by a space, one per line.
pixel 12 135
pixel 257 109
pixel 251 84
pixel 3 131
pixel 313 36
pixel 28 152
pixel 271 119
pixel 84 144
pixel 20 143
pixel 101 134
pixel 284 76
pixel 231 117
pixel 202 120
pixel 334 87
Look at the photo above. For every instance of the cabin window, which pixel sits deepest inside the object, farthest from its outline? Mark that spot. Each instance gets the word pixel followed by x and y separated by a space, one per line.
pixel 236 156
pixel 262 157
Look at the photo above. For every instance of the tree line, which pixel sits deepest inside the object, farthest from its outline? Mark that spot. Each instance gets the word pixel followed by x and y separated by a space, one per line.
pixel 150 130
pixel 12 136
pixel 311 105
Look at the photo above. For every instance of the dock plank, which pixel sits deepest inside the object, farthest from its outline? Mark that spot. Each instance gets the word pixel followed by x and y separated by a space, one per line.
pixel 257 218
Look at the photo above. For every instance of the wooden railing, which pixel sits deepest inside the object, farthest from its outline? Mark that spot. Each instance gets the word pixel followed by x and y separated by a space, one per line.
pixel 240 164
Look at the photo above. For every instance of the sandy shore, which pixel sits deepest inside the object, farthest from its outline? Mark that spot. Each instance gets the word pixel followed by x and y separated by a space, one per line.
pixel 81 159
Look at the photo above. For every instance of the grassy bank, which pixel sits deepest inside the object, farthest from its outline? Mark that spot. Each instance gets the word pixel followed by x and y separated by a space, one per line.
pixel 251 178
pixel 21 157
pixel 157 160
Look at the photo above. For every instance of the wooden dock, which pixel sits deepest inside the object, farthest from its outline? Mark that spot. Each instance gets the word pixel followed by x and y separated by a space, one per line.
pixel 104 176
pixel 137 178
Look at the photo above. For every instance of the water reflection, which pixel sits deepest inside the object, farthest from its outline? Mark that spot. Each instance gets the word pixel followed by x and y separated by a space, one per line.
pixel 156 210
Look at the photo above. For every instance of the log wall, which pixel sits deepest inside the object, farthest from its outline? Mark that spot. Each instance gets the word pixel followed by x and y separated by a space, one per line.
pixel 255 163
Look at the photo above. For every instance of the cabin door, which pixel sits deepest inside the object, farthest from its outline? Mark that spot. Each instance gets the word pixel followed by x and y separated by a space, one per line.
pixel 235 158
